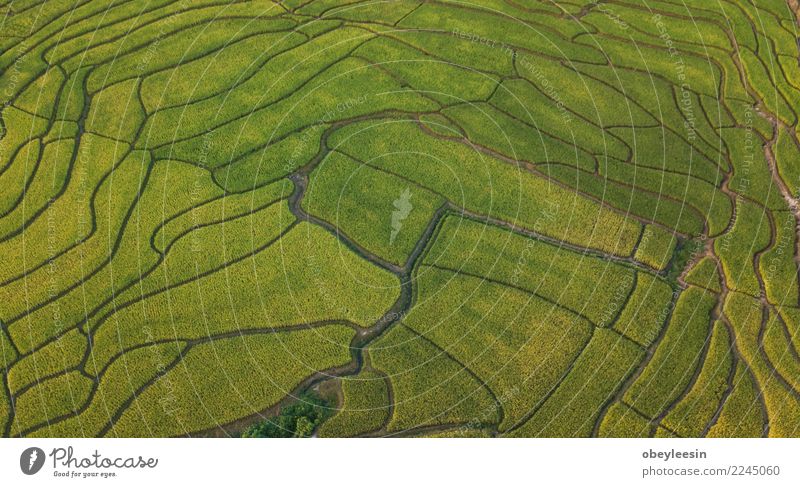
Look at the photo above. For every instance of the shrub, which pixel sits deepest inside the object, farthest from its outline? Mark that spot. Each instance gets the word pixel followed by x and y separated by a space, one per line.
pixel 297 420
pixel 235 383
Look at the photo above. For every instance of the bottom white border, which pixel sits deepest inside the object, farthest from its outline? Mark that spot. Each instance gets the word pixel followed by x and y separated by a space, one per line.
pixel 390 462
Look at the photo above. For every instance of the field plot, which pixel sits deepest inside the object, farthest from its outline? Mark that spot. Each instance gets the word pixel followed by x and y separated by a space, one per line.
pixel 435 218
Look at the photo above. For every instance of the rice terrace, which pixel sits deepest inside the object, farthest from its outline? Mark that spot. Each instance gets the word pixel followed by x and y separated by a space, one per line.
pixel 383 218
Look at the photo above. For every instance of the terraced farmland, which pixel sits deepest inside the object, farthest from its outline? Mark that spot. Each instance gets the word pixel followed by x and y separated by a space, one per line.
pixel 436 218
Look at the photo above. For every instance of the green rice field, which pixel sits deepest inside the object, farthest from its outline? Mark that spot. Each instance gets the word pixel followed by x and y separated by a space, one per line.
pixel 399 218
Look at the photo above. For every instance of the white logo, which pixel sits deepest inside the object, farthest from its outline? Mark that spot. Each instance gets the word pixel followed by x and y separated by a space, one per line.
pixel 403 208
